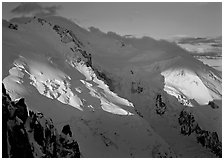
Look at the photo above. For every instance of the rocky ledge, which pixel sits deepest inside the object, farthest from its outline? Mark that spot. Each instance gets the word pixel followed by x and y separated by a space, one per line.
pixel 207 139
pixel 29 134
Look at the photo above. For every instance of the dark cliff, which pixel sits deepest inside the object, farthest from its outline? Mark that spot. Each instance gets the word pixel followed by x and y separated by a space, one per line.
pixel 29 134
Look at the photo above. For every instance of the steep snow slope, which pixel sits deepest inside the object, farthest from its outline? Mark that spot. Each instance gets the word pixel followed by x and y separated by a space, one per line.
pixel 140 70
pixel 179 81
pixel 112 54
pixel 56 80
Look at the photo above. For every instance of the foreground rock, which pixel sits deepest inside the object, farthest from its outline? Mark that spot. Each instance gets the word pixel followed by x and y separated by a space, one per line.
pixel 207 139
pixel 29 134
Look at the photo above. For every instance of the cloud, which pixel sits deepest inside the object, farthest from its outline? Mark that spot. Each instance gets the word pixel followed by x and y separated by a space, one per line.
pixel 34 9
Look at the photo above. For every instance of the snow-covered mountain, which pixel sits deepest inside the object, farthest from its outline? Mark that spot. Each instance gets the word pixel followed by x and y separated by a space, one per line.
pixel 121 96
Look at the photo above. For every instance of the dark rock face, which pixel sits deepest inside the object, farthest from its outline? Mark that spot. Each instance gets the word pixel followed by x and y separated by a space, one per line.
pixel 157 153
pixel 183 100
pixel 68 36
pixel 103 76
pixel 69 147
pixel 88 57
pixel 15 140
pixel 136 87
pixel 187 122
pixel 41 21
pixel 139 113
pixel 68 33
pixel 21 111
pixel 13 26
pixel 207 139
pixel 160 105
pixel 213 105
pixel 29 134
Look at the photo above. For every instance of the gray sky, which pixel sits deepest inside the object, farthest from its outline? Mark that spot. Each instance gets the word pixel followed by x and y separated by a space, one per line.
pixel 158 20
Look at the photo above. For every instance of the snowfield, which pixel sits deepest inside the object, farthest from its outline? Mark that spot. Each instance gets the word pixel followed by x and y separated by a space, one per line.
pixel 187 83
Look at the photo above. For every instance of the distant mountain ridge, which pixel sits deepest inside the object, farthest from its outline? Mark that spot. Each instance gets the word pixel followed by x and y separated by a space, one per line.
pixel 206 49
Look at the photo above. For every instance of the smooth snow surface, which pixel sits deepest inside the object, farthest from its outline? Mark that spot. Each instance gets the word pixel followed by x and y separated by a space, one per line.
pixel 187 83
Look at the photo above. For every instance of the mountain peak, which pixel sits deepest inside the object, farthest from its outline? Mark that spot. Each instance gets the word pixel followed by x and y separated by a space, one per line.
pixel 121 97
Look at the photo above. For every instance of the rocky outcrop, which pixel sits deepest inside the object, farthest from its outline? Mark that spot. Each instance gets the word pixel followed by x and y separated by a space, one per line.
pixel 68 36
pixel 69 147
pixel 213 105
pixel 29 134
pixel 139 113
pixel 207 139
pixel 183 100
pixel 158 152
pixel 104 76
pixel 41 21
pixel 136 87
pixel 187 123
pixel 13 26
pixel 160 105
pixel 15 139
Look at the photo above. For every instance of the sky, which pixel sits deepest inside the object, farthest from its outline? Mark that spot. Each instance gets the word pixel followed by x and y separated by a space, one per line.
pixel 161 20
